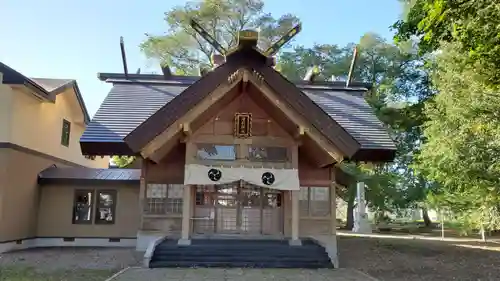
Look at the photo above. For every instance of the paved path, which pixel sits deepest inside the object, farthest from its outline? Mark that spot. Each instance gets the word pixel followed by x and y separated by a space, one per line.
pixel 238 274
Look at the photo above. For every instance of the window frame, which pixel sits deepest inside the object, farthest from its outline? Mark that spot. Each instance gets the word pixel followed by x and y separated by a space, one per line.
pixel 65 136
pixel 168 204
pixel 234 146
pixel 253 147
pixel 114 196
pixel 309 213
pixel 92 204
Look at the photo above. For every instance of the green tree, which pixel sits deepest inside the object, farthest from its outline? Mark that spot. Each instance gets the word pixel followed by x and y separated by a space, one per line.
pixel 473 24
pixel 182 48
pixel 185 52
pixel 400 86
pixel 462 146
pixel 123 161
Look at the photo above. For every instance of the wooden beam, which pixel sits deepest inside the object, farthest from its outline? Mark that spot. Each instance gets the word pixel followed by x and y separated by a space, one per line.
pixel 295 117
pixel 189 117
pixel 230 139
pixel 301 131
pixel 186 129
pixel 316 153
pixel 159 154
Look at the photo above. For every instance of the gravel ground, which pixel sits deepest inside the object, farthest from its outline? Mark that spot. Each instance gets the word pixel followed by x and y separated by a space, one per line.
pixel 61 264
pixel 383 258
pixel 241 274
pixel 419 260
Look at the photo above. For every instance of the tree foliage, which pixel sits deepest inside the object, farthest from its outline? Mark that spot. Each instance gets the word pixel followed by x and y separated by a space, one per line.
pixel 474 25
pixel 400 83
pixel 182 48
pixel 400 87
pixel 123 161
pixel 462 146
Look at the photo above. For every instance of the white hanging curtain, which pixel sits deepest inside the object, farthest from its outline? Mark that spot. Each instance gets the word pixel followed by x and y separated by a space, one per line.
pixel 282 179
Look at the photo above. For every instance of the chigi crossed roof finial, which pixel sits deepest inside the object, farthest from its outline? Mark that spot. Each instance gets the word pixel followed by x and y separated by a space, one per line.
pixel 247 38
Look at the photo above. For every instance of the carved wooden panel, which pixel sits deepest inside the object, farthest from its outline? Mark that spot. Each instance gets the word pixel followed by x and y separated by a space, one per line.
pixel 243 125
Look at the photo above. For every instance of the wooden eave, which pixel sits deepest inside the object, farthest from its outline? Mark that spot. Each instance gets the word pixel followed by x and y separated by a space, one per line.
pixel 166 140
pixel 177 107
pixel 304 129
pixel 167 122
pixel 309 110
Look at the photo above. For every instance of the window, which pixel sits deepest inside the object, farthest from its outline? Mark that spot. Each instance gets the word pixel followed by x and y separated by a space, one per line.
pixel 66 129
pixel 164 199
pixel 85 202
pixel 105 210
pixel 216 152
pixel 314 202
pixel 82 207
pixel 269 154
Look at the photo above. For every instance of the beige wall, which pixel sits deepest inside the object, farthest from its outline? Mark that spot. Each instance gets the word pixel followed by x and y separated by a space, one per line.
pixel 37 125
pixel 6 94
pixel 19 192
pixel 56 210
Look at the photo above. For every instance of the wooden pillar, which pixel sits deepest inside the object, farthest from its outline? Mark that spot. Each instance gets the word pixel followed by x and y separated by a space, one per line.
pixel 332 248
pixel 142 192
pixel 295 202
pixel 142 199
pixel 295 219
pixel 187 208
pixel 186 216
pixel 333 202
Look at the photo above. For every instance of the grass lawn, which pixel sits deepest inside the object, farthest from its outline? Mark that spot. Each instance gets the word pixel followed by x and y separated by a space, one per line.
pixel 19 273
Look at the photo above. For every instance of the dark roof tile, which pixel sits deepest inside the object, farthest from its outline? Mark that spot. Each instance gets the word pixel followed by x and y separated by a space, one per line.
pixel 129 104
pixel 82 174
pixel 355 115
pixel 126 107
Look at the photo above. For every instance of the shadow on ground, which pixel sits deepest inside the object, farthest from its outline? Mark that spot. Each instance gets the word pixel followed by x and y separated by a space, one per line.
pixel 392 259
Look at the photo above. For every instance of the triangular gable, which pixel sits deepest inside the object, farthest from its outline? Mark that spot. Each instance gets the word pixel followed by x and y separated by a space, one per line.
pixel 59 86
pixel 250 59
pixel 46 88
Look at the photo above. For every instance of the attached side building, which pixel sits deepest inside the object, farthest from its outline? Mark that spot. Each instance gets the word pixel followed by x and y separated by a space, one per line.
pixel 41 121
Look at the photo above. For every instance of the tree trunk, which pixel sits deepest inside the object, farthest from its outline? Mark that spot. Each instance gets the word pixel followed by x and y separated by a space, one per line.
pixel 425 217
pixel 350 208
pixel 483 233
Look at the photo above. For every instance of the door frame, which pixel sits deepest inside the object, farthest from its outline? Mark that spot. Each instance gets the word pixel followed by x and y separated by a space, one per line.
pixel 240 186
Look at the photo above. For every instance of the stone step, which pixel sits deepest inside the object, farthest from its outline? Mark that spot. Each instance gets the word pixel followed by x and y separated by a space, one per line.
pixel 240 253
pixel 242 258
pixel 225 264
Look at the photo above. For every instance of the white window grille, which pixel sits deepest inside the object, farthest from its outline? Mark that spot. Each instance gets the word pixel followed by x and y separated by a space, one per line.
pixel 314 202
pixel 164 199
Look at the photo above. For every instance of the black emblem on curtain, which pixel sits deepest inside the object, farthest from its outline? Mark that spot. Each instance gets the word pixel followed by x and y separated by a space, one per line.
pixel 268 178
pixel 214 174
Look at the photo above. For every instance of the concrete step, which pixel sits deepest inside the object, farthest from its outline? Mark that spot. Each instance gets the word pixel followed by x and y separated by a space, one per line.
pixel 240 253
pixel 242 258
pixel 225 264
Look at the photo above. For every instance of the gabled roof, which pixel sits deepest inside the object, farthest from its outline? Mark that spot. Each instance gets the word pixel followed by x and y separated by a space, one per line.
pixel 46 88
pixel 338 111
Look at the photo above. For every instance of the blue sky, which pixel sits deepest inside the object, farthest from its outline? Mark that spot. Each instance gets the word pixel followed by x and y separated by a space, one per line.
pixel 77 39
